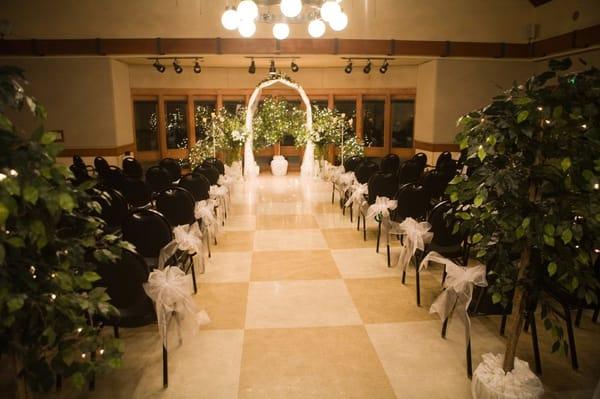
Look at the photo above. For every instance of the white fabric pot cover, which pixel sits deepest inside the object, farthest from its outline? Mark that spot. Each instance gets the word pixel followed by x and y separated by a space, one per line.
pixel 491 382
pixel 279 166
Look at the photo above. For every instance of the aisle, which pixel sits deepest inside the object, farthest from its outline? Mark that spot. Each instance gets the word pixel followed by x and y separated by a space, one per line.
pixel 302 307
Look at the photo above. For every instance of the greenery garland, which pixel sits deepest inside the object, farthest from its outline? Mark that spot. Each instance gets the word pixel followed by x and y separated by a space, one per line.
pixel 276 118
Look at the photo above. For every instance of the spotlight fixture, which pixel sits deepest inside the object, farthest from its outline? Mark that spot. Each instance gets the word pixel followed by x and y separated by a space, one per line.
pixel 159 67
pixel 272 68
pixel 252 67
pixel 294 66
pixel 367 68
pixel 348 68
pixel 384 67
pixel 176 66
pixel 197 67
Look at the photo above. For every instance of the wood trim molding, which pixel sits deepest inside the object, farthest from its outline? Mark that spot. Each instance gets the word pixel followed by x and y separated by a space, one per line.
pixel 436 147
pixel 104 151
pixel 575 40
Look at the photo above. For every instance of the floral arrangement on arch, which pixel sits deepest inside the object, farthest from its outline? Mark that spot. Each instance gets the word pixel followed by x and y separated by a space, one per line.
pixel 274 119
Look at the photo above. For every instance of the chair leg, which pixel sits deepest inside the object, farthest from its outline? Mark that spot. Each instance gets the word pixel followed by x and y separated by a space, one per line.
pixel 526 325
pixel 595 316
pixel 165 367
pixel 378 236
pixel 116 329
pixel 578 317
pixel 358 223
pixel 351 213
pixel 535 343
pixel 444 328
pixel 571 336
pixel 469 361
pixel 194 276
pixel 418 287
pixel 403 276
pixel 389 263
pixel 444 275
pixel 364 228
pixel 332 193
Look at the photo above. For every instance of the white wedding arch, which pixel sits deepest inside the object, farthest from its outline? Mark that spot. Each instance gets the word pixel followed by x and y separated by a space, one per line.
pixel 250 167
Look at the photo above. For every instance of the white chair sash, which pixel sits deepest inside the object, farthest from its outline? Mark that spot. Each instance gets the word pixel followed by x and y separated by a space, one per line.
pixel 345 181
pixel 220 195
pixel 459 284
pixel 330 172
pixel 382 206
pixel 416 235
pixel 171 290
pixel 234 171
pixel 491 382
pixel 187 238
pixel 227 181
pixel 357 197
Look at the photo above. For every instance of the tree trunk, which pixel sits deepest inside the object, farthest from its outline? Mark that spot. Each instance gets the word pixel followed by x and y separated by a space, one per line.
pixel 21 389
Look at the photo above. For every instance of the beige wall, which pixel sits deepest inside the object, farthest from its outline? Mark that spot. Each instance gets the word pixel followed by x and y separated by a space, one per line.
pixel 555 17
pixel 425 102
pixel 87 98
pixel 459 20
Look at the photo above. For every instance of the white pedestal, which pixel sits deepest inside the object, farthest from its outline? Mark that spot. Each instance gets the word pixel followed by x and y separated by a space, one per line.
pixel 279 166
pixel 491 382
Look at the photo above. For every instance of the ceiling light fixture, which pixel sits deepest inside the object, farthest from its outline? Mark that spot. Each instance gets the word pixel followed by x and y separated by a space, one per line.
pixel 252 67
pixel 230 19
pixel 247 10
pixel 281 31
pixel 159 67
pixel 294 66
pixel 329 10
pixel 384 66
pixel 197 67
pixel 247 28
pixel 339 21
pixel 348 68
pixel 291 8
pixel 367 68
pixel 272 68
pixel 176 66
pixel 316 28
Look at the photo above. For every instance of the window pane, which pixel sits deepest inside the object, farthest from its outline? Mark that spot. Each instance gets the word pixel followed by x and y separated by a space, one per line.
pixel 202 109
pixel 373 124
pixel 348 108
pixel 146 125
pixel 176 124
pixel 232 105
pixel 320 103
pixel 403 120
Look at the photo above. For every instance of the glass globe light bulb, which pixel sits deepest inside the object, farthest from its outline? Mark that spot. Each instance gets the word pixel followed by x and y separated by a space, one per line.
pixel 281 31
pixel 339 21
pixel 247 10
pixel 230 19
pixel 329 10
pixel 316 28
pixel 291 8
pixel 247 28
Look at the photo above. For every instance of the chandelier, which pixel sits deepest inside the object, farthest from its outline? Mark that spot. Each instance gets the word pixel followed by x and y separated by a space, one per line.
pixel 316 13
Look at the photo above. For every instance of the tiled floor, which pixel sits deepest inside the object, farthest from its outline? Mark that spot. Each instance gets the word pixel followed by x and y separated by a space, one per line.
pixel 302 307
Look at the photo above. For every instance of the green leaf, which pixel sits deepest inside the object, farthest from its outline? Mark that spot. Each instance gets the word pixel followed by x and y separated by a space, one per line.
pixel 478 200
pixel 481 154
pixel 565 164
pixel 549 229
pixel 552 267
pixel 4 212
pixel 491 140
pixel 66 201
pixel 557 112
pixel 525 223
pixel 481 253
pixel 496 297
pixel 456 179
pixel 15 303
pixel 454 197
pixel 91 277
pixel 548 240
pixel 464 215
pixel 520 232
pixel 50 335
pixel 587 174
pixel 574 283
pixel 522 100
pixel 567 235
pixel 47 138
pixel 476 238
pixel 30 194
pixel 522 116
pixel 2 254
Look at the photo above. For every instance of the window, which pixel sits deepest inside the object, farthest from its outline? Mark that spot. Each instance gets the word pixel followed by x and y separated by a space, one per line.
pixel 403 121
pixel 373 122
pixel 348 108
pixel 202 109
pixel 176 124
pixel 319 103
pixel 233 104
pixel 145 114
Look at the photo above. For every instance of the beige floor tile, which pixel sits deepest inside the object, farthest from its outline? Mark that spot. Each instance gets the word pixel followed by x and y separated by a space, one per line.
pixel 243 209
pixel 283 208
pixel 335 362
pixel 363 263
pixel 334 220
pixel 225 304
pixel 227 267
pixel 234 241
pixel 387 300
pixel 240 223
pixel 293 265
pixel 350 238
pixel 326 207
pixel 287 304
pixel 282 222
pixel 294 239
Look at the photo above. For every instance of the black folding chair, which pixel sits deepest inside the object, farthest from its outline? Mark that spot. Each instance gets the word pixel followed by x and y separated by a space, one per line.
pixel 114 209
pixel 173 167
pixel 209 172
pixel 421 159
pixel 132 168
pixel 390 164
pixel 215 163
pixel 136 192
pixel 410 171
pixel 158 178
pixel 380 185
pixel 363 173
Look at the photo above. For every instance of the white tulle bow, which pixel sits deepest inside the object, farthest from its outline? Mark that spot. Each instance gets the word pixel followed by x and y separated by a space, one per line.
pixel 227 181
pixel 330 172
pixel 345 180
pixel 186 238
pixel 220 195
pixel 358 195
pixel 234 171
pixel 491 382
pixel 458 292
pixel 171 290
pixel 382 206
pixel 415 236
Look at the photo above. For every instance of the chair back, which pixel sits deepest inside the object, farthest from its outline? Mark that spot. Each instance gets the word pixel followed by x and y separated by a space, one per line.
pixel 352 163
pixel 177 205
pixel 173 167
pixel 211 174
pixel 421 158
pixel 197 185
pixel 112 178
pixel 444 156
pixel 382 185
pixel 409 172
pixel 215 163
pixel 158 178
pixel 80 172
pixel 148 230
pixel 77 160
pixel 132 168
pixel 114 208
pixel 124 281
pixel 434 182
pixel 390 164
pixel 413 201
pixel 365 170
pixel 441 226
pixel 136 192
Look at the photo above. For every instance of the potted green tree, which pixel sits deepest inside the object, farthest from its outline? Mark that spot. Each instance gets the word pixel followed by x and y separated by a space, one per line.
pixel 530 202
pixel 50 241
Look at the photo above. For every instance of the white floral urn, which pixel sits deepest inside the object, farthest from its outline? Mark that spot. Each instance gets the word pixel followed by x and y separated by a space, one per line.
pixel 279 165
pixel 491 382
